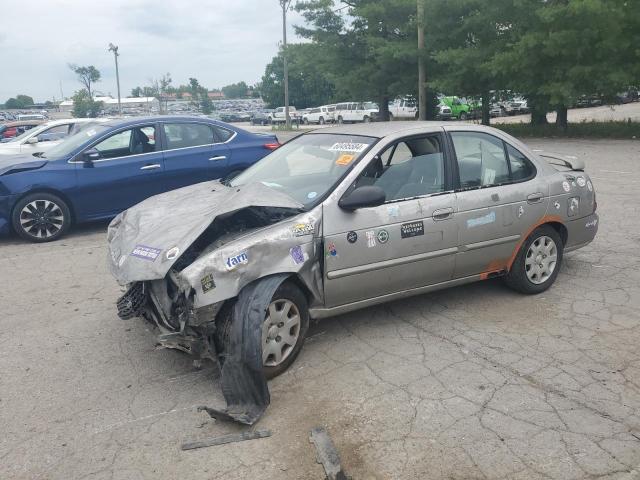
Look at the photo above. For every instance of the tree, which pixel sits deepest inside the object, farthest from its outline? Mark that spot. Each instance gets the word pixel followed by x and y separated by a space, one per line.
pixel 369 47
pixel 560 50
pixel 84 106
pixel 235 90
pixel 86 76
pixel 309 83
pixel 21 101
pixel 465 36
pixel 136 92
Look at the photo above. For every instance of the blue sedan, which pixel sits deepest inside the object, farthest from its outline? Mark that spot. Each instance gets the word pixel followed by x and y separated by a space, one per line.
pixel 114 165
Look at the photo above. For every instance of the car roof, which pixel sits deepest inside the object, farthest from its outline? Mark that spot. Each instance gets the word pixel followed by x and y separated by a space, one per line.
pixel 20 123
pixel 385 129
pixel 123 122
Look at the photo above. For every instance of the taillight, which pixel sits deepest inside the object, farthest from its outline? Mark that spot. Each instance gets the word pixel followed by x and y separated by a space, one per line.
pixel 271 146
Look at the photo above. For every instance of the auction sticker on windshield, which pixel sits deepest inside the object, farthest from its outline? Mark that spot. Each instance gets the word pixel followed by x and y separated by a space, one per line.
pixel 349 147
pixel 344 159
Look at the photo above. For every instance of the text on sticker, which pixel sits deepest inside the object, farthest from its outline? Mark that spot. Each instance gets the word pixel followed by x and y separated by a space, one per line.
pixel 240 259
pixel 349 147
pixel 146 253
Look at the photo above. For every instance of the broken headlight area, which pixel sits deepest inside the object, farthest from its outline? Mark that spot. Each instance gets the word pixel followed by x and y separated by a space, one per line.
pixel 168 308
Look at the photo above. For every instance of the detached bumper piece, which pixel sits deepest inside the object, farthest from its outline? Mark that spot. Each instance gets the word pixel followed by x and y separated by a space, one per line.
pixel 244 385
pixel 133 302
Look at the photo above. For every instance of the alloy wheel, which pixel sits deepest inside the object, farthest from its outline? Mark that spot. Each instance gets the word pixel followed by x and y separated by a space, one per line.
pixel 541 259
pixel 41 218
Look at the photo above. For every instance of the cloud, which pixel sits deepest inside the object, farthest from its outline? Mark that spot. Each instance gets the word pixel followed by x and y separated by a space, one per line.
pixel 216 41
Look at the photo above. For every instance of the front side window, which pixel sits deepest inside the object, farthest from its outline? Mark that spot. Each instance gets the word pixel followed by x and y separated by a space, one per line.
pixel 184 135
pixel 407 169
pixel 481 159
pixel 133 141
pixel 307 167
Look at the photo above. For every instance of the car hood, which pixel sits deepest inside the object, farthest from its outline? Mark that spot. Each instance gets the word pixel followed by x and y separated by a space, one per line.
pixel 19 163
pixel 147 239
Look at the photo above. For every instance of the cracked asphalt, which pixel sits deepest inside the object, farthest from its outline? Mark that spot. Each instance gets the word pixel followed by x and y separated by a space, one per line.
pixel 475 382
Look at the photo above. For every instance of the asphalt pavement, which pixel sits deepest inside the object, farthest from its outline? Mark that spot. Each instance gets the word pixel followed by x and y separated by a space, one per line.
pixel 475 382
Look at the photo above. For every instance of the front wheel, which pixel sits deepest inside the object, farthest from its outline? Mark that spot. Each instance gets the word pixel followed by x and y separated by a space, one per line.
pixel 283 331
pixel 463 116
pixel 366 119
pixel 41 217
pixel 321 121
pixel 537 263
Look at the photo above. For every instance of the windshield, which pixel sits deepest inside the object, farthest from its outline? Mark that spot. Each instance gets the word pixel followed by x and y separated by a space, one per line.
pixel 28 133
pixel 308 167
pixel 73 142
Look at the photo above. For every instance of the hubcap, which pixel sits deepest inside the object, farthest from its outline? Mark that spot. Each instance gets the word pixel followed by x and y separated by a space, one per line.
pixel 541 260
pixel 41 218
pixel 280 332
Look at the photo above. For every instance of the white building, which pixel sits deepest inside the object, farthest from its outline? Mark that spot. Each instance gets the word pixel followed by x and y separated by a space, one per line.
pixel 129 105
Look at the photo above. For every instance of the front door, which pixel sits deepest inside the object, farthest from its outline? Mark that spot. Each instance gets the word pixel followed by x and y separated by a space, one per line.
pixel 499 198
pixel 127 169
pixel 191 154
pixel 408 242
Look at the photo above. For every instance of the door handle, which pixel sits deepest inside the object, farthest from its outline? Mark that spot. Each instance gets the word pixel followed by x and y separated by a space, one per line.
pixel 150 167
pixel 442 214
pixel 219 157
pixel 535 197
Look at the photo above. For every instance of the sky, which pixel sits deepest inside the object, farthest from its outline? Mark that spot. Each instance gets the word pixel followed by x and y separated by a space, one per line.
pixel 216 41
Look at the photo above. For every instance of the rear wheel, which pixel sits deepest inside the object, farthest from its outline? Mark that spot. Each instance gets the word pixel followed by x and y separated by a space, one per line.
pixel 283 331
pixel 538 262
pixel 391 117
pixel 41 217
pixel 340 120
pixel 366 119
pixel 321 121
pixel 463 116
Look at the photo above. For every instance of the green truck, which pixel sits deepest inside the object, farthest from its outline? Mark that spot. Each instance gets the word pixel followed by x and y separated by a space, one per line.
pixel 460 109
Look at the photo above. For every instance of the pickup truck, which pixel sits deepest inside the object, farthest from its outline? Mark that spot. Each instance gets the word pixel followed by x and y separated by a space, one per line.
pixel 403 108
pixel 278 115
pixel 459 109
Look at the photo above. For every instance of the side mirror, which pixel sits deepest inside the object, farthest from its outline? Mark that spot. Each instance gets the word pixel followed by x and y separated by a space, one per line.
pixel 32 140
pixel 362 197
pixel 90 155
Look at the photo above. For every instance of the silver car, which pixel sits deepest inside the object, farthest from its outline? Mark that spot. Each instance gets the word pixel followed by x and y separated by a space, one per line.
pixel 343 218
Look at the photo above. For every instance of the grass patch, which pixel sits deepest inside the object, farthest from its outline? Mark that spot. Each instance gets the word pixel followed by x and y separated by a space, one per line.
pixel 282 127
pixel 617 129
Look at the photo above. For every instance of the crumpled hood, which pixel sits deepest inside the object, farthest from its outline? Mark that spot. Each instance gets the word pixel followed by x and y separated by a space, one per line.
pixel 18 163
pixel 147 239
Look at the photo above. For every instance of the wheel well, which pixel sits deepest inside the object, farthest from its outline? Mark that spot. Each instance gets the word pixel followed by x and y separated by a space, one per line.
pixel 561 229
pixel 51 191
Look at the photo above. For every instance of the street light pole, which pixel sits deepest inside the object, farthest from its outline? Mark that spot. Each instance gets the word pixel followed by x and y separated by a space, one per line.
pixel 422 74
pixel 285 6
pixel 114 49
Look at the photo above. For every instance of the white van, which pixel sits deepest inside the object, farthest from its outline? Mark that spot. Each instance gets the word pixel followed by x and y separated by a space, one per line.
pixel 355 112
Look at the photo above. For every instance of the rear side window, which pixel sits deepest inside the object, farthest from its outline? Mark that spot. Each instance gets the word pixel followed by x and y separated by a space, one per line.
pixel 184 135
pixel 481 159
pixel 222 134
pixel 521 167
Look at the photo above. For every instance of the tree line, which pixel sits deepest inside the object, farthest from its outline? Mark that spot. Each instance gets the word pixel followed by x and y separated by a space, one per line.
pixel 553 52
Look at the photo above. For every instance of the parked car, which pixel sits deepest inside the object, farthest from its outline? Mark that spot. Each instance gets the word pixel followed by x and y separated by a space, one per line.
pixel 279 116
pixel 496 110
pixel 343 218
pixel 519 107
pixel 13 129
pixel 261 118
pixel 403 108
pixel 32 116
pixel 107 168
pixel 319 115
pixel 45 136
pixel 443 112
pixel 353 112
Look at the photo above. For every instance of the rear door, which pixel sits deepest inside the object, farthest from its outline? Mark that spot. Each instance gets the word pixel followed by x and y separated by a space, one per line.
pixel 408 242
pixel 128 169
pixel 498 200
pixel 192 154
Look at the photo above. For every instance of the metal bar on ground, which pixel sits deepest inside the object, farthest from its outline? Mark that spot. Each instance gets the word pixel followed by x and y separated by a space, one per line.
pixel 231 438
pixel 327 455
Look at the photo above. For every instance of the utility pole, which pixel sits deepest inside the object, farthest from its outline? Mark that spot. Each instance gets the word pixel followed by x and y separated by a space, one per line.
pixel 422 70
pixel 114 49
pixel 285 6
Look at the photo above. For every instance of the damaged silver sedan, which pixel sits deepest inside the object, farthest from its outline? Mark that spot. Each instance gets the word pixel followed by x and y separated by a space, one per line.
pixel 335 220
